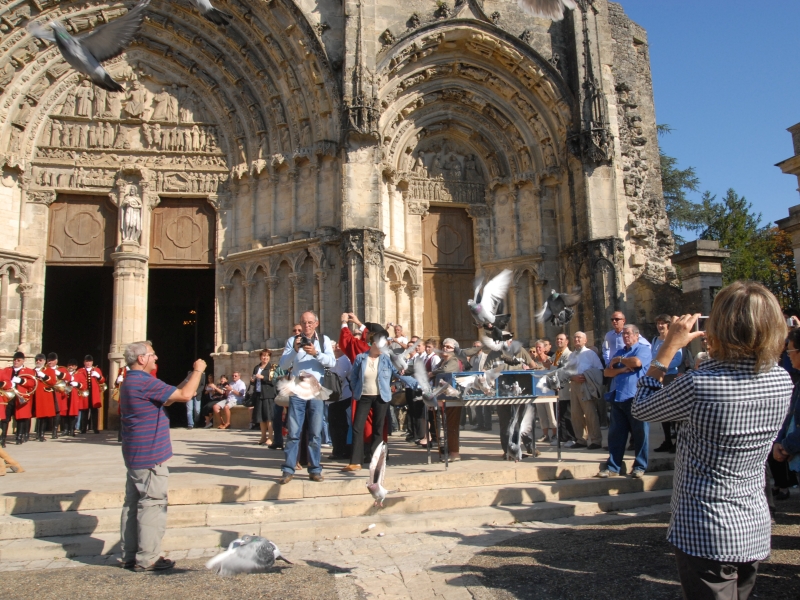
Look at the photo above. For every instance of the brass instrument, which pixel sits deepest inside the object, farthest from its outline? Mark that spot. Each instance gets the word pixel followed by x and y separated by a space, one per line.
pixel 103 388
pixel 8 395
pixel 24 397
pixel 61 387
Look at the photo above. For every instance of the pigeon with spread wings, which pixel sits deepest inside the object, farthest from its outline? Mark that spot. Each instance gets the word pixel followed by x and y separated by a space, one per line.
pixel 557 308
pixel 488 301
pixel 377 473
pixel 85 53
pixel 248 554
pixel 214 15
pixel 547 9
pixel 429 394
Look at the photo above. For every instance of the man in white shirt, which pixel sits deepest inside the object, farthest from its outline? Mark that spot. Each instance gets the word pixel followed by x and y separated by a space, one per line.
pixel 235 391
pixel 399 340
pixel 429 357
pixel 583 405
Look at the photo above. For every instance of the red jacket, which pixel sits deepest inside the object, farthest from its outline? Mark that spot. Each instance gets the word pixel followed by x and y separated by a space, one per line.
pixel 44 401
pixel 74 398
pixel 5 384
pixel 24 407
pixel 351 346
pixel 62 374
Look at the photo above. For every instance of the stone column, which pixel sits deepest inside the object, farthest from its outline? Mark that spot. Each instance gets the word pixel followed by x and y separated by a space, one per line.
pixel 222 302
pixel 512 308
pixel 24 292
pixel 294 175
pixel 413 294
pixel 319 294
pixel 791 225
pixel 272 285
pixel 297 279
pixel 397 287
pixel 701 273
pixel 265 307
pixel 247 344
pixel 362 253
pixel 532 306
pixel 3 301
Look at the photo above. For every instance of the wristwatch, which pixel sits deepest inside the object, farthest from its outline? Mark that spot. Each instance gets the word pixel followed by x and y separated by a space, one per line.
pixel 658 365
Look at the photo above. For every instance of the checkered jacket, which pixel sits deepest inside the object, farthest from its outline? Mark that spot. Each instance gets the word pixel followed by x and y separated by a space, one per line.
pixel 730 415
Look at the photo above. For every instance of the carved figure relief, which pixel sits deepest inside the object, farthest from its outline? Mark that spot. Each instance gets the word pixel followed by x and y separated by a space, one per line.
pixel 131 216
pixel 84 96
pixel 442 172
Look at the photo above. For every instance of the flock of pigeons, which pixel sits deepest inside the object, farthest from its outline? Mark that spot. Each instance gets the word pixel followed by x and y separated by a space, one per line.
pixel 84 53
pixel 250 553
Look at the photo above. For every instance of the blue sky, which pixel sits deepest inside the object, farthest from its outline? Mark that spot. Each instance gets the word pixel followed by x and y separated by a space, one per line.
pixel 726 75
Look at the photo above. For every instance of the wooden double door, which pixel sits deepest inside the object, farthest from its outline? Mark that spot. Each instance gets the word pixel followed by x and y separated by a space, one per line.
pixel 448 266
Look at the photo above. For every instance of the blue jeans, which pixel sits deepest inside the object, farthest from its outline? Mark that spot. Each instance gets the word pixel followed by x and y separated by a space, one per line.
pixel 326 434
pixel 621 424
pixel 294 425
pixel 192 410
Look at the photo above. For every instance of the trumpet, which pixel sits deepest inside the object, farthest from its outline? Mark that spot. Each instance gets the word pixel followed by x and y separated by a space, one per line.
pixel 15 393
pixel 8 395
pixel 60 386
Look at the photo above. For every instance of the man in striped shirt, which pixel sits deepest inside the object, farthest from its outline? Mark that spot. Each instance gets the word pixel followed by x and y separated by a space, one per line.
pixel 146 447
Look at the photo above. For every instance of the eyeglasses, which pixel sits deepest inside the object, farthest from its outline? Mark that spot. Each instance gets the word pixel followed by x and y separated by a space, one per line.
pixel 448 347
pixel 795 350
pixel 617 319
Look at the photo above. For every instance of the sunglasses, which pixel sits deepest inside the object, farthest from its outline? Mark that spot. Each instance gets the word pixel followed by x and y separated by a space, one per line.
pixel 617 319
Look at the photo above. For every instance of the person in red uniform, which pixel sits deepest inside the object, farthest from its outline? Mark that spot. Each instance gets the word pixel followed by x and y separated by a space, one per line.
pixel 6 460
pixel 91 403
pixel 24 381
pixel 6 407
pixel 61 398
pixel 44 397
pixel 74 398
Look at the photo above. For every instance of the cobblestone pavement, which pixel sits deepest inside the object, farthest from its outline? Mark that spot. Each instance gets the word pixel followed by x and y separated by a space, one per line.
pixel 412 565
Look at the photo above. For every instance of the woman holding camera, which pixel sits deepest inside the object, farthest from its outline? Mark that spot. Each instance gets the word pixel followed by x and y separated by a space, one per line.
pixel 731 409
pixel 263 396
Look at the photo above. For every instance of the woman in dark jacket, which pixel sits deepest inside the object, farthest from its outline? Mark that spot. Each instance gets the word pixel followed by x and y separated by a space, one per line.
pixel 450 364
pixel 786 448
pixel 264 393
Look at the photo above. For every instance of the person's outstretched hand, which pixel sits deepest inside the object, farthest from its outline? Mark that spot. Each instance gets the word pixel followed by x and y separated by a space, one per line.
pixel 680 332
pixel 199 365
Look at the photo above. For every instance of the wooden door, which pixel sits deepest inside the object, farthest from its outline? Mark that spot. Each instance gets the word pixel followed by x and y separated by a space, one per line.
pixel 449 270
pixel 83 231
pixel 182 234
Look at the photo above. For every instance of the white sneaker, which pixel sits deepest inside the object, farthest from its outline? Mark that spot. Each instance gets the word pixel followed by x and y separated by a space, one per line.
pixel 209 425
pixel 326 445
pixel 554 442
pixel 570 444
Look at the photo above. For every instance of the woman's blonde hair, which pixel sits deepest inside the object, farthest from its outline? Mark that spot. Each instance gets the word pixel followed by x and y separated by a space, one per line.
pixel 746 321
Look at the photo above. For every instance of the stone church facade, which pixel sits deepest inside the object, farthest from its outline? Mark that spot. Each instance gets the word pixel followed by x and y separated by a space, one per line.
pixel 364 155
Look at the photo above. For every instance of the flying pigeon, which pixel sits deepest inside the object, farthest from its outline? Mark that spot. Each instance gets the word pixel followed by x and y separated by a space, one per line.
pixel 305 386
pixel 547 9
pixel 487 303
pixel 377 472
pixel 399 359
pixel 557 308
pixel 482 382
pixel 214 15
pixel 85 53
pixel 429 395
pixel 497 331
pixel 248 554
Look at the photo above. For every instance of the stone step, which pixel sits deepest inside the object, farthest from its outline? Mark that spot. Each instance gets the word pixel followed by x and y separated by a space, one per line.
pixel 187 538
pixel 435 477
pixel 41 525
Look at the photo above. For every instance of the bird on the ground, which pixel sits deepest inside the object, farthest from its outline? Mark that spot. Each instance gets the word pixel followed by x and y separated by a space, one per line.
pixel 487 303
pixel 377 473
pixel 429 394
pixel 214 15
pixel 248 554
pixel 547 9
pixel 85 53
pixel 557 309
pixel 305 386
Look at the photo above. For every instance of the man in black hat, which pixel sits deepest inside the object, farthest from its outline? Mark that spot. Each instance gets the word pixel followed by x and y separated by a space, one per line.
pixel 24 381
pixel 93 378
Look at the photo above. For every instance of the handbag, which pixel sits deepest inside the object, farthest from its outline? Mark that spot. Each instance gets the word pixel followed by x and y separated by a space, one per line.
pixel 330 380
pixel 248 400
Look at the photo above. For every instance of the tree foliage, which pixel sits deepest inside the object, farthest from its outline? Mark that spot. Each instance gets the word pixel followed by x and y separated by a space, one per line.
pixel 677 183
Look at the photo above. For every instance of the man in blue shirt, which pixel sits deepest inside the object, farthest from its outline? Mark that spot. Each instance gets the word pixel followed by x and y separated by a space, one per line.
pixel 626 366
pixel 312 353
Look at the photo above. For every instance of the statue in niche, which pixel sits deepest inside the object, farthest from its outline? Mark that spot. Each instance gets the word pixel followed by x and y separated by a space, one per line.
pixel 147 133
pixel 160 105
pixel 436 166
pixel 155 133
pixel 453 168
pixel 65 136
pixel 84 95
pixel 114 105
pixel 99 102
pixel 305 136
pixel 92 137
pixel 131 216
pixel 13 144
pixel 203 139
pixel 187 102
pixel 68 108
pixel 195 138
pixel 280 115
pixel 24 113
pixel 285 141
pixel 38 88
pixel 7 74
pixel 55 133
pixel 108 136
pixel 82 131
pixel 137 99
pixel 172 105
pixel 472 170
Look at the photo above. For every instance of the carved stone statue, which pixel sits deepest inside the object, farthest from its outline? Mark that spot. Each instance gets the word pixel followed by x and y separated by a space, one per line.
pixel 69 106
pixel 187 106
pixel 305 136
pixel 99 102
pixel 160 105
pixel 83 99
pixel 172 105
pixel 55 133
pixel 114 105
pixel 137 98
pixel 24 113
pixel 131 216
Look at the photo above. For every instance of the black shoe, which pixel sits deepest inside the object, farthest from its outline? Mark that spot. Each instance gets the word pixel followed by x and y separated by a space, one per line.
pixel 580 445
pixel 275 447
pixel 162 564
pixel 593 447
pixel 285 479
pixel 784 495
pixel 665 447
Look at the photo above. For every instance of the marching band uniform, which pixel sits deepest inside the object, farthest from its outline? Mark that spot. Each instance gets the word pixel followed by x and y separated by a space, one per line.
pixel 61 398
pixel 6 407
pixel 91 377
pixel 24 381
pixel 44 400
pixel 76 386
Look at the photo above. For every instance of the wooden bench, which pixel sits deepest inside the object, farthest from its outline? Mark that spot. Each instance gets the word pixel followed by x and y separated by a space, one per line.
pixel 240 417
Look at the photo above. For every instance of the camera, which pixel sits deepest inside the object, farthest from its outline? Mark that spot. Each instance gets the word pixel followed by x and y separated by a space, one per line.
pixel 304 341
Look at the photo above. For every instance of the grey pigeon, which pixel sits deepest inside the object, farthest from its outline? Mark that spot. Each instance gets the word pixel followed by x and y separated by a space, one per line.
pixel 377 473
pixel 482 382
pixel 248 554
pixel 214 15
pixel 85 53
pixel 488 298
pixel 429 394
pixel 557 308
pixel 547 9
pixel 400 358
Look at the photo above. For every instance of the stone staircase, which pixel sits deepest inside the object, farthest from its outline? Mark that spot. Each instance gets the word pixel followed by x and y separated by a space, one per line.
pixel 42 526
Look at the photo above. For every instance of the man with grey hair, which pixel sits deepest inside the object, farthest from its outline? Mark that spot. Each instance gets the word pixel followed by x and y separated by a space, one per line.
pixel 311 352
pixel 585 364
pixel 626 366
pixel 146 447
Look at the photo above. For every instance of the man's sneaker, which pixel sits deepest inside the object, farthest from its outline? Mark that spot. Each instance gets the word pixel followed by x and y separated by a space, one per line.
pixel 605 473
pixel 554 442
pixel 637 473
pixel 162 564
pixel 570 444
pixel 209 425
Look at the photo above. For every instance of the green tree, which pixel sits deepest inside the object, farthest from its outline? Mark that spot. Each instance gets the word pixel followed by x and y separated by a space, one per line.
pixel 783 276
pixel 677 183
pixel 732 223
